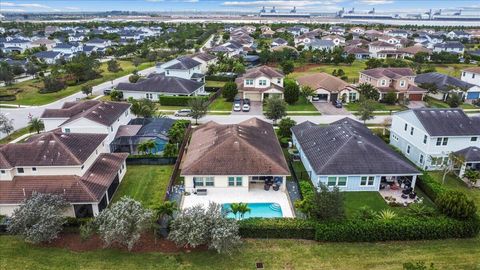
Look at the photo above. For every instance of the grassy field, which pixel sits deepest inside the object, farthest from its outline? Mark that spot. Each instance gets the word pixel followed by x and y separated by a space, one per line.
pixel 275 254
pixel 302 104
pixel 214 84
pixel 453 70
pixel 28 91
pixel 435 103
pixel 220 104
pixel 453 182
pixel 145 183
pixel 377 106
pixel 351 71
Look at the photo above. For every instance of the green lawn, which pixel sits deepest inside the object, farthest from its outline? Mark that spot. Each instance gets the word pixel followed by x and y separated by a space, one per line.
pixel 302 104
pixel 435 103
pixel 453 70
pixel 28 91
pixel 356 200
pixel 351 71
pixel 214 84
pixel 377 106
pixel 453 182
pixel 145 183
pixel 220 104
pixel 275 254
pixel 15 135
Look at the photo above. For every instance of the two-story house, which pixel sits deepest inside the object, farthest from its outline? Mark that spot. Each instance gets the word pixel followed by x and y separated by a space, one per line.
pixel 427 136
pixel 68 49
pixel 16 44
pixel 74 165
pixel 449 46
pixel 378 49
pixel 99 43
pixel 472 76
pixel 400 81
pixel 259 83
pixel 91 116
pixel 205 60
pixel 182 67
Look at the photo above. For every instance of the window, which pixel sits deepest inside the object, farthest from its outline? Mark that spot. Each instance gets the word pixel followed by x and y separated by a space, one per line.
pixel 332 181
pixel 231 181
pixel 474 139
pixel 402 83
pixel 445 141
pixel 279 81
pixel 20 170
pixel 405 127
pixel 395 137
pixel 425 139
pixel 473 76
pixel 203 181
pixel 34 169
pixel 383 82
pixel 239 180
pixel 439 141
pixel 67 130
pixel 83 166
pixel 111 128
pixel 411 131
pixel 209 181
pixel 408 149
pixel 198 181
pixel 463 74
pixel 342 181
pixel 421 159
pixel 352 96
pixel 367 180
pixel 248 82
pixel 262 82
pixel 2 171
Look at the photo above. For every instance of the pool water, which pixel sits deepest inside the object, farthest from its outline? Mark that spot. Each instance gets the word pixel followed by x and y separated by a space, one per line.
pixel 266 210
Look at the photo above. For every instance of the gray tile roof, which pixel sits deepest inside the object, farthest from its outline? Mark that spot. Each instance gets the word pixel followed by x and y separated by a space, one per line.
pixel 446 122
pixel 470 154
pixel 47 54
pixel 184 63
pixel 346 147
pixel 442 81
pixel 160 83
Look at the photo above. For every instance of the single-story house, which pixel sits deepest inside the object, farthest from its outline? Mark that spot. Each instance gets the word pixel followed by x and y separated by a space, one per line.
pixel 328 87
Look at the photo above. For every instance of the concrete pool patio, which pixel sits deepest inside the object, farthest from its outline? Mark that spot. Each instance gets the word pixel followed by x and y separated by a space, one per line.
pixel 229 195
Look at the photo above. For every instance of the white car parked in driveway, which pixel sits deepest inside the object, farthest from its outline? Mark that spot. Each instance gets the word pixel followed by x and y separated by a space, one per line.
pixel 246 107
pixel 237 107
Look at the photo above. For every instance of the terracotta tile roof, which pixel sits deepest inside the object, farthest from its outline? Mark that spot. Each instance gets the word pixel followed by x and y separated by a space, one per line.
pixel 105 113
pixel 248 148
pixel 51 149
pixel 75 189
pixel 324 81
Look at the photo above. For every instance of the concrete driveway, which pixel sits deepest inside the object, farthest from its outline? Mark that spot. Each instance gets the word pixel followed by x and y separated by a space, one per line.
pixel 326 108
pixel 256 108
pixel 416 104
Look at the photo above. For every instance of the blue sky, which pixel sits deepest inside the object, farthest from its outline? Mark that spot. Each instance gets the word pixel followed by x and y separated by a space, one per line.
pixel 227 5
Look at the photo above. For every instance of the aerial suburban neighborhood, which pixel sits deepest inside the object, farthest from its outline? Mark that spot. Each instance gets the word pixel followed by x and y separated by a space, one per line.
pixel 239 135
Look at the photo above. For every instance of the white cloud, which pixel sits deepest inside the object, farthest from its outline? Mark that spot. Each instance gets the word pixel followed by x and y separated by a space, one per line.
pixel 376 2
pixel 12 10
pixel 281 3
pixel 72 8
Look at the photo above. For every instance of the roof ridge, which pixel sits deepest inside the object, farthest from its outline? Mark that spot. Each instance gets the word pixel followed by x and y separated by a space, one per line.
pixel 65 147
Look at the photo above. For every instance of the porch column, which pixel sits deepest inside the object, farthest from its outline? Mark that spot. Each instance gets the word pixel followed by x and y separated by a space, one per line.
pixel 462 170
pixel 414 179
pixel 283 187
pixel 95 209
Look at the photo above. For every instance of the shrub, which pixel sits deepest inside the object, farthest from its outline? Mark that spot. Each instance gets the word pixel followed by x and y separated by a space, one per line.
pixel 176 101
pixel 390 98
pixel 405 228
pixel 431 187
pixel 454 100
pixel 456 204
pixel 365 213
pixel 52 85
pixel 329 204
pixel 291 91
pixel 277 228
pixel 229 91
pixel 284 127
pixel 284 142
pixel 420 210
pixel 386 214
pixel 134 78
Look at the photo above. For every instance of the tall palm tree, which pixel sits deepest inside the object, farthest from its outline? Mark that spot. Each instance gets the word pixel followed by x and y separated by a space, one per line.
pixel 36 125
pixel 239 208
pixel 234 209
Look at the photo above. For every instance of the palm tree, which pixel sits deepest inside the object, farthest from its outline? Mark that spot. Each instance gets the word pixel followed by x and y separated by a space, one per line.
pixel 147 146
pixel 165 209
pixel 36 125
pixel 241 208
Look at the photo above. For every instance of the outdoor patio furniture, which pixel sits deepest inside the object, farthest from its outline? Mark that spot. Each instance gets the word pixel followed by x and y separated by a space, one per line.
pixel 412 195
pixel 266 187
pixel 276 187
pixel 404 196
pixel 201 191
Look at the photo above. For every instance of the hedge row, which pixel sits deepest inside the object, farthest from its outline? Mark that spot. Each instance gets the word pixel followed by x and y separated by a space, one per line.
pixel 404 228
pixel 175 101
pixel 212 89
pixel 219 78
pixel 277 228
pixel 8 97
pixel 431 187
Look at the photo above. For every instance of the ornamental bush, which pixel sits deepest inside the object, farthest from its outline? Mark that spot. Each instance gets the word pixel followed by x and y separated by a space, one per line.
pixel 277 228
pixel 431 187
pixel 456 204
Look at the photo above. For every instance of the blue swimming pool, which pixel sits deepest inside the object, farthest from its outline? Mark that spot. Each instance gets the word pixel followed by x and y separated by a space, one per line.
pixel 266 210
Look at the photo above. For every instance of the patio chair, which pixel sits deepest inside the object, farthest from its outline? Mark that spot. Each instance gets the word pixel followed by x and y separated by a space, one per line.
pixel 276 187
pixel 266 187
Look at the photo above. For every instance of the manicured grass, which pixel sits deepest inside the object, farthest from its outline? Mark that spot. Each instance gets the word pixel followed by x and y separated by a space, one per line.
pixel 453 70
pixel 351 71
pixel 275 254
pixel 435 103
pixel 14 135
pixel 220 104
pixel 453 182
pixel 214 84
pixel 356 200
pixel 377 106
pixel 170 108
pixel 145 183
pixel 29 90
pixel 302 104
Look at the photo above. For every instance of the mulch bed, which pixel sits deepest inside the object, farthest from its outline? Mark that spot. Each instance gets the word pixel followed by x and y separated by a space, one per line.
pixel 147 243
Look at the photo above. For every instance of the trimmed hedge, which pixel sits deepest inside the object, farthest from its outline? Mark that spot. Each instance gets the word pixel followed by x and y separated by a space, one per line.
pixel 404 228
pixel 8 97
pixel 175 101
pixel 277 228
pixel 431 187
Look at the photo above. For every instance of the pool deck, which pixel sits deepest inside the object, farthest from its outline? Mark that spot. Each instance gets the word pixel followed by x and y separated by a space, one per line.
pixel 229 195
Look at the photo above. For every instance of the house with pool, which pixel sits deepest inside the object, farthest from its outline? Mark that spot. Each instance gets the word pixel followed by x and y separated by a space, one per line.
pixel 237 163
pixel 346 154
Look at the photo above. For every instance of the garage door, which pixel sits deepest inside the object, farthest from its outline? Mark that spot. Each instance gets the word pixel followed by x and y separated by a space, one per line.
pixel 253 96
pixel 415 97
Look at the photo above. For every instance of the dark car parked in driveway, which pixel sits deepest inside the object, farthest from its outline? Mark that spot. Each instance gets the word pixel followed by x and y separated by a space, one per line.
pixel 337 103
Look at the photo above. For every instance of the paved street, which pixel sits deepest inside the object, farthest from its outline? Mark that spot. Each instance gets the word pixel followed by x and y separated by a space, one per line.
pixel 20 115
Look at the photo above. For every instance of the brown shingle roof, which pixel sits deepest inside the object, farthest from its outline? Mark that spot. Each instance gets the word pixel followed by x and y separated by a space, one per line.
pixel 105 113
pixel 392 73
pixel 262 71
pixel 473 70
pixel 415 50
pixel 324 81
pixel 51 149
pixel 248 148
pixel 89 188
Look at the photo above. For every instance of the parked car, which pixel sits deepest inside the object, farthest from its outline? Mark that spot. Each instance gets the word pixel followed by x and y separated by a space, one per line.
pixel 237 107
pixel 247 101
pixel 337 103
pixel 315 98
pixel 107 92
pixel 183 112
pixel 246 107
pixel 237 100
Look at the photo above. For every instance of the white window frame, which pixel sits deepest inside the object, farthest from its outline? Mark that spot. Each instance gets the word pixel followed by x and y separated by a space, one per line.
pixel 402 83
pixel 368 178
pixel 408 149
pixel 337 180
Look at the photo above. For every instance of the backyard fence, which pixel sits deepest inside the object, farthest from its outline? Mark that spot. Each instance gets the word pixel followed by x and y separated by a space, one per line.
pixel 151 160
pixel 176 168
